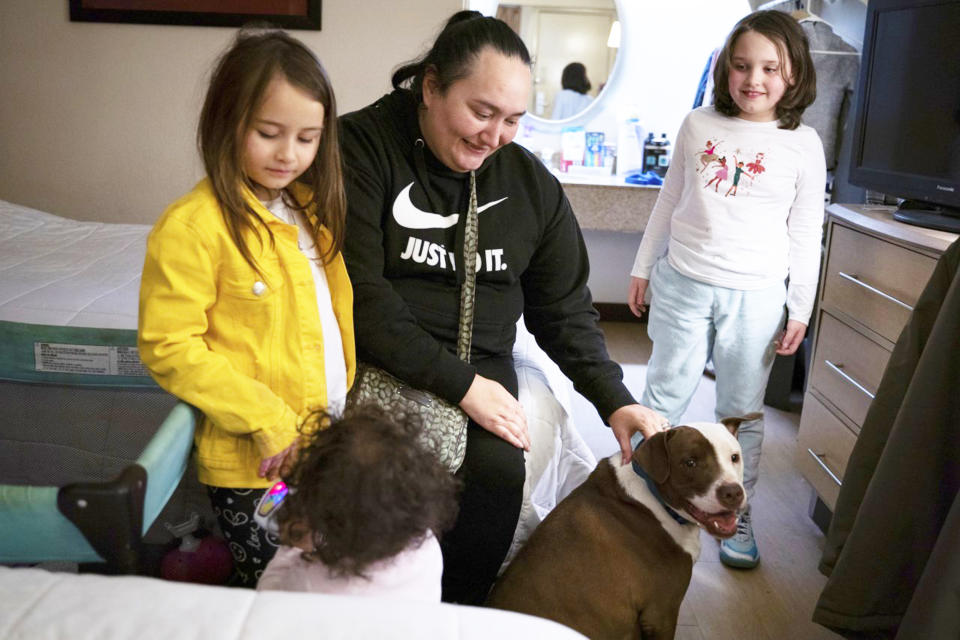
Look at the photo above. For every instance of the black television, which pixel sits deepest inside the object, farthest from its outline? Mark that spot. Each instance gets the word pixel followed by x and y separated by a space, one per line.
pixel 907 125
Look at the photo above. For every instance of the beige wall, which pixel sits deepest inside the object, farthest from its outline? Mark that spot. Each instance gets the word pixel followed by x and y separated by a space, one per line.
pixel 97 120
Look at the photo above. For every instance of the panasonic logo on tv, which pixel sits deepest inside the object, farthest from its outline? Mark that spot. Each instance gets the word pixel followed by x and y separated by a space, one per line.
pixel 940 187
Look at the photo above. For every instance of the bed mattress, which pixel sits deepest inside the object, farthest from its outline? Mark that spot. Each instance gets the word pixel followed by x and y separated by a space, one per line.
pixel 68 299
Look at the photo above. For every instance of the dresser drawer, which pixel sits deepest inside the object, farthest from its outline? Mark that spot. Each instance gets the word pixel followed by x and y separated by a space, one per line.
pixel 847 367
pixel 824 444
pixel 874 281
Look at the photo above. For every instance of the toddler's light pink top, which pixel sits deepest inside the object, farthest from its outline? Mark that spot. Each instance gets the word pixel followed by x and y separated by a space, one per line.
pixel 413 574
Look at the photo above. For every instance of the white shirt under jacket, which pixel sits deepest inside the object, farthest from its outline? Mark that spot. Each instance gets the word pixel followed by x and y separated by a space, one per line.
pixel 334 359
pixel 749 236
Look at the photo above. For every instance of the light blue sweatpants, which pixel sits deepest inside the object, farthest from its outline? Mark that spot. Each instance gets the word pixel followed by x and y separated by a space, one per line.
pixel 690 323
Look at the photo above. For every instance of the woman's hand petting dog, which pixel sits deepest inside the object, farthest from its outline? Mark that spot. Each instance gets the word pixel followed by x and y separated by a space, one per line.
pixel 491 406
pixel 627 420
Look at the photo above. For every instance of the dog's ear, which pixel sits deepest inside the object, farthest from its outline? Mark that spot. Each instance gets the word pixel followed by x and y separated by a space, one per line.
pixel 653 457
pixel 732 424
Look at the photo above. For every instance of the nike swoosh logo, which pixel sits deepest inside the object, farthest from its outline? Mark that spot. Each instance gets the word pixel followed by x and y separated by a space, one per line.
pixel 408 215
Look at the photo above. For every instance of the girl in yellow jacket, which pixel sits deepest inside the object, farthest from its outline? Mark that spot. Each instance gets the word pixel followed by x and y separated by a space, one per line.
pixel 245 305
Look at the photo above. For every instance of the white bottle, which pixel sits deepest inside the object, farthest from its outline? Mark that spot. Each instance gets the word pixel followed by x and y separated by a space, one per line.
pixel 629 146
pixel 573 143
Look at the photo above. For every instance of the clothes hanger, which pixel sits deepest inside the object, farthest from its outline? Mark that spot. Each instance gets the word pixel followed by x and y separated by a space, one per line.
pixel 805 16
pixel 778 5
pixel 798 10
pixel 801 13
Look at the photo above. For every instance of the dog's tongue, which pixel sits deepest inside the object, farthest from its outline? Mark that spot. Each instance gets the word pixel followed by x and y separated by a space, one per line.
pixel 722 524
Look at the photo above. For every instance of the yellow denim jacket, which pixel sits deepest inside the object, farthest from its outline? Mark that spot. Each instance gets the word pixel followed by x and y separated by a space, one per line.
pixel 245 349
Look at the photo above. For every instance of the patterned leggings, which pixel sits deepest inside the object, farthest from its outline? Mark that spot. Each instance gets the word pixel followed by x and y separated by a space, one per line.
pixel 251 546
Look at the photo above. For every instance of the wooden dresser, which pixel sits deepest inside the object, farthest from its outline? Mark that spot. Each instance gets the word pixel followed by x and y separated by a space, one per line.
pixel 873 273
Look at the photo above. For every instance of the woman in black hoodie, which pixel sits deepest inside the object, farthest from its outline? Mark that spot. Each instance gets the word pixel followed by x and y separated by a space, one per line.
pixel 407 164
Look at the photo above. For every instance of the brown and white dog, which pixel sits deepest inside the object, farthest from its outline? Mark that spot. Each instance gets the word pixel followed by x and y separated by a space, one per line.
pixel 614 559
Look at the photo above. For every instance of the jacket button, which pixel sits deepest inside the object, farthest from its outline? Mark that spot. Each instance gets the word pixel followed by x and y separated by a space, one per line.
pixel 259 288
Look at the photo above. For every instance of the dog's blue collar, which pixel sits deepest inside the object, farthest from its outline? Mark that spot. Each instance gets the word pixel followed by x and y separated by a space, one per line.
pixel 656 494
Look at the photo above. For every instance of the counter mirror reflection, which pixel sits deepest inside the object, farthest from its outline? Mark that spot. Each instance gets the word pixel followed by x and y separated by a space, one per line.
pixel 574 47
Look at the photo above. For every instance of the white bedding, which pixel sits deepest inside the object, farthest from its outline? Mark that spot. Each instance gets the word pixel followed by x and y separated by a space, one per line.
pixel 68 300
pixel 68 273
pixel 38 605
pixel 559 459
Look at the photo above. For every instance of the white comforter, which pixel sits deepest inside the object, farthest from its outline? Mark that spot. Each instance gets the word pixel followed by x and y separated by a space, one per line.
pixel 38 605
pixel 63 272
pixel 559 459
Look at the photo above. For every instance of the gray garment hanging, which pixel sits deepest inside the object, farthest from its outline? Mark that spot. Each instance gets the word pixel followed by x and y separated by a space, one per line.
pixel 837 65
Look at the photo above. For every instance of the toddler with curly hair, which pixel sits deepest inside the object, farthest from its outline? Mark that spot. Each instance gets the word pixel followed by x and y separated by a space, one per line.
pixel 366 506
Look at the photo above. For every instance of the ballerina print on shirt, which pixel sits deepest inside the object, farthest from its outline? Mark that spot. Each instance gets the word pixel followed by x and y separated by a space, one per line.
pixel 719 176
pixel 707 156
pixel 756 167
pixel 713 162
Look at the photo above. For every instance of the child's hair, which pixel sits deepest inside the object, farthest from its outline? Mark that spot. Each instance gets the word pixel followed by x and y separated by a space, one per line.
pixel 237 88
pixel 791 42
pixel 574 77
pixel 465 34
pixel 365 490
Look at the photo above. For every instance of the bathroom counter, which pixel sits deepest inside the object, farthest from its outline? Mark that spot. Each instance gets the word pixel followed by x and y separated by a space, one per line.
pixel 615 206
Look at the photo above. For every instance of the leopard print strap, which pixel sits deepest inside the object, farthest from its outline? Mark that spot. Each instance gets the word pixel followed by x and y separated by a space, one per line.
pixel 469 290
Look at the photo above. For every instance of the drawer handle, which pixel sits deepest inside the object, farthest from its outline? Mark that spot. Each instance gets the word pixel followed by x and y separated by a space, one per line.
pixel 824 466
pixel 845 376
pixel 856 280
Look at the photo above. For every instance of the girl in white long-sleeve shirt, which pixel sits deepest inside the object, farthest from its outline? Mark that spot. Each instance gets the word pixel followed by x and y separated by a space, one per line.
pixel 740 212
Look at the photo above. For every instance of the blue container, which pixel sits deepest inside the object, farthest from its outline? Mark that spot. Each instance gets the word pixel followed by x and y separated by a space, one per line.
pixel 594 154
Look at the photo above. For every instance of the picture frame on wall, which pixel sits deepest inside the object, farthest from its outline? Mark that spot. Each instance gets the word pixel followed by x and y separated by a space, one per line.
pixel 287 14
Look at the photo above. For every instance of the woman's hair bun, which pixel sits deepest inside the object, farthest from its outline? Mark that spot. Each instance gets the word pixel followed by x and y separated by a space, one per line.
pixel 462 16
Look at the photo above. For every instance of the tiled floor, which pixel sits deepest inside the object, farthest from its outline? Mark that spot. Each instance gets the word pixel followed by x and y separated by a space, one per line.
pixel 774 601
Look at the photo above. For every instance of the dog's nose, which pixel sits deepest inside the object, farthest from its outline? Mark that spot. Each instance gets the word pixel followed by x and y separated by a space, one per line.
pixel 730 495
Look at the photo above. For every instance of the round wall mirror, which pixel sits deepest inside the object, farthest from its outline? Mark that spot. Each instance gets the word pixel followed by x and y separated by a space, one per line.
pixel 574 45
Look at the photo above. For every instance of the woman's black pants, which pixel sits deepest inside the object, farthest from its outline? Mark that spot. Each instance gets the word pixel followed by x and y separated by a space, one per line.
pixel 492 475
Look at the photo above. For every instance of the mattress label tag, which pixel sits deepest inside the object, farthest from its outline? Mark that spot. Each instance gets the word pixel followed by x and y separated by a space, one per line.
pixel 88 359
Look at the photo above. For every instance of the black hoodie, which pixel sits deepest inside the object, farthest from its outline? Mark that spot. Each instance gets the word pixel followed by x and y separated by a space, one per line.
pixel 403 251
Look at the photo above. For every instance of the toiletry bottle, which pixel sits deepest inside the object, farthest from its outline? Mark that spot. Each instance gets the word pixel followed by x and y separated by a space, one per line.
pixel 665 153
pixel 629 146
pixel 650 153
pixel 594 153
pixel 573 145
